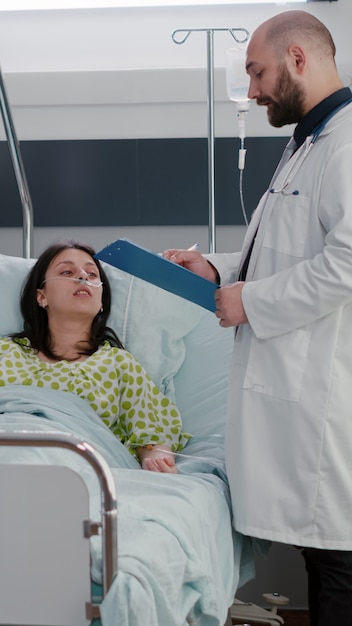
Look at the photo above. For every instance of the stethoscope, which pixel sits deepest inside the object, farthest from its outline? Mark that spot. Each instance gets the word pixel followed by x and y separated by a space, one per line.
pixel 309 143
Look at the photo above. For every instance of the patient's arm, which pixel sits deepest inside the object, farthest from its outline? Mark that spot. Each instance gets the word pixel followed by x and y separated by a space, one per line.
pixel 157 458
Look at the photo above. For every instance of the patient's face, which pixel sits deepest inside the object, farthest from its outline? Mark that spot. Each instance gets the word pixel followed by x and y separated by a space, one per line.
pixel 72 286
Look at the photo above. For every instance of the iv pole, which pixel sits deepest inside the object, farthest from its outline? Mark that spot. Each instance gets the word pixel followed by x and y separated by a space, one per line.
pixel 18 167
pixel 179 36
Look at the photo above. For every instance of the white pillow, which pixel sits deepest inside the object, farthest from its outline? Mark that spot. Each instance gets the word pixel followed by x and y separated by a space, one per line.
pixel 150 322
pixel 201 384
pixel 13 272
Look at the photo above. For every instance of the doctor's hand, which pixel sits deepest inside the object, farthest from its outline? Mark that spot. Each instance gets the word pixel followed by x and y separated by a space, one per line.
pixel 194 262
pixel 229 307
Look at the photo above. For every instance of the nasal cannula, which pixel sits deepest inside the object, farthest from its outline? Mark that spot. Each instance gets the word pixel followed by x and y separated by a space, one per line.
pixel 81 281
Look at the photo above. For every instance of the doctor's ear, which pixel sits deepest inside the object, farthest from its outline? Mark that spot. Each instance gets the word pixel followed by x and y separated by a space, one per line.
pixel 297 59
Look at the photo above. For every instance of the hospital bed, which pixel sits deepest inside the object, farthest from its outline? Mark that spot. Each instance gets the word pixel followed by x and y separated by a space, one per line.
pixel 86 536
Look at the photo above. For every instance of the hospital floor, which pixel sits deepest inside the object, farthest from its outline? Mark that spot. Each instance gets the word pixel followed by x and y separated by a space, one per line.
pixel 295 618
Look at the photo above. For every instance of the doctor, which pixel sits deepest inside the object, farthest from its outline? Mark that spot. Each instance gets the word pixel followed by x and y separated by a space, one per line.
pixel 289 297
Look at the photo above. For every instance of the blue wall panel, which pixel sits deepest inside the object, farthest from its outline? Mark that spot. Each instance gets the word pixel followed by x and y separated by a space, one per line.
pixel 135 182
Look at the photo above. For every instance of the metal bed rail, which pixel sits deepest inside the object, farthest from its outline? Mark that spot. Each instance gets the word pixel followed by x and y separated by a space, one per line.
pixel 18 167
pixel 106 482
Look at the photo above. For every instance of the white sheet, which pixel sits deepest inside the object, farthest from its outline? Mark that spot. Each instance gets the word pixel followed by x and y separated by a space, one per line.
pixel 179 561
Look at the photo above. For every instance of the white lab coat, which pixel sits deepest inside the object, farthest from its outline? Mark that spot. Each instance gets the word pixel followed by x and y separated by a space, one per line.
pixel 289 431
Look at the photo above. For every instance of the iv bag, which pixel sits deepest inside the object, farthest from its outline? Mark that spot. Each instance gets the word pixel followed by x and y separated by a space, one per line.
pixel 237 79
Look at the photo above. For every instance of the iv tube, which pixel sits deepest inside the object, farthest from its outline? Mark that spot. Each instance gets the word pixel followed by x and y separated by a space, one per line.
pixel 237 84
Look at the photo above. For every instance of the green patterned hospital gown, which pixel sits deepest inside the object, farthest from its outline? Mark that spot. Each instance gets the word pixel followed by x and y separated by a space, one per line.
pixel 112 381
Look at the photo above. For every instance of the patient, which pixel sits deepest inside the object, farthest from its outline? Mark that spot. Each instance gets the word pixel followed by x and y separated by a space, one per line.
pixel 66 345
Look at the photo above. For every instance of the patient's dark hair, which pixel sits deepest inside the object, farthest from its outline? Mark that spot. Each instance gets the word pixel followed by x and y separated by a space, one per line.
pixel 35 326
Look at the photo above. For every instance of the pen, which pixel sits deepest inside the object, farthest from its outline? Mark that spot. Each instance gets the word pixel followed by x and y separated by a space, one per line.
pixel 194 247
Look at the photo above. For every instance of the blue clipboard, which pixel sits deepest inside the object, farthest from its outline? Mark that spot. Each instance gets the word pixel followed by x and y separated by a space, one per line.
pixel 153 268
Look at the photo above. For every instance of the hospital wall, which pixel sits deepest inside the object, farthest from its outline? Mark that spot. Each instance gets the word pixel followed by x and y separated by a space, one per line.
pixel 112 121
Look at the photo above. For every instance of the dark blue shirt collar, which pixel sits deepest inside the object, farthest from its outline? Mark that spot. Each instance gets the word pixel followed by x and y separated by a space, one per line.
pixel 317 114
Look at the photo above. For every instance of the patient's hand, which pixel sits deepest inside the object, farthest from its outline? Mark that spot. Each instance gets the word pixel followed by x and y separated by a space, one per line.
pixel 166 465
pixel 158 459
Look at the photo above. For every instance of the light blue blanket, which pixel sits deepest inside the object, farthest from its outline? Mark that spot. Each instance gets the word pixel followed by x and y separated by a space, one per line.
pixel 179 561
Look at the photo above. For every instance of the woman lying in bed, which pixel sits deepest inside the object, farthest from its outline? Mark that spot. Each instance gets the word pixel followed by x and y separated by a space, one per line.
pixel 66 345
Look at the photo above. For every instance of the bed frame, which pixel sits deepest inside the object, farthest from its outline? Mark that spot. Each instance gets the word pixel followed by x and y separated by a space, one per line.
pixel 47 551
pixel 32 508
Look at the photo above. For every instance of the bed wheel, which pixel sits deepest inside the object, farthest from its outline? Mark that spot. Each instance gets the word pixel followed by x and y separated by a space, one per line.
pixel 248 611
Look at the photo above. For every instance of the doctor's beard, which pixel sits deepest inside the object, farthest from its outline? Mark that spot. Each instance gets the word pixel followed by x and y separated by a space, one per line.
pixel 287 107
